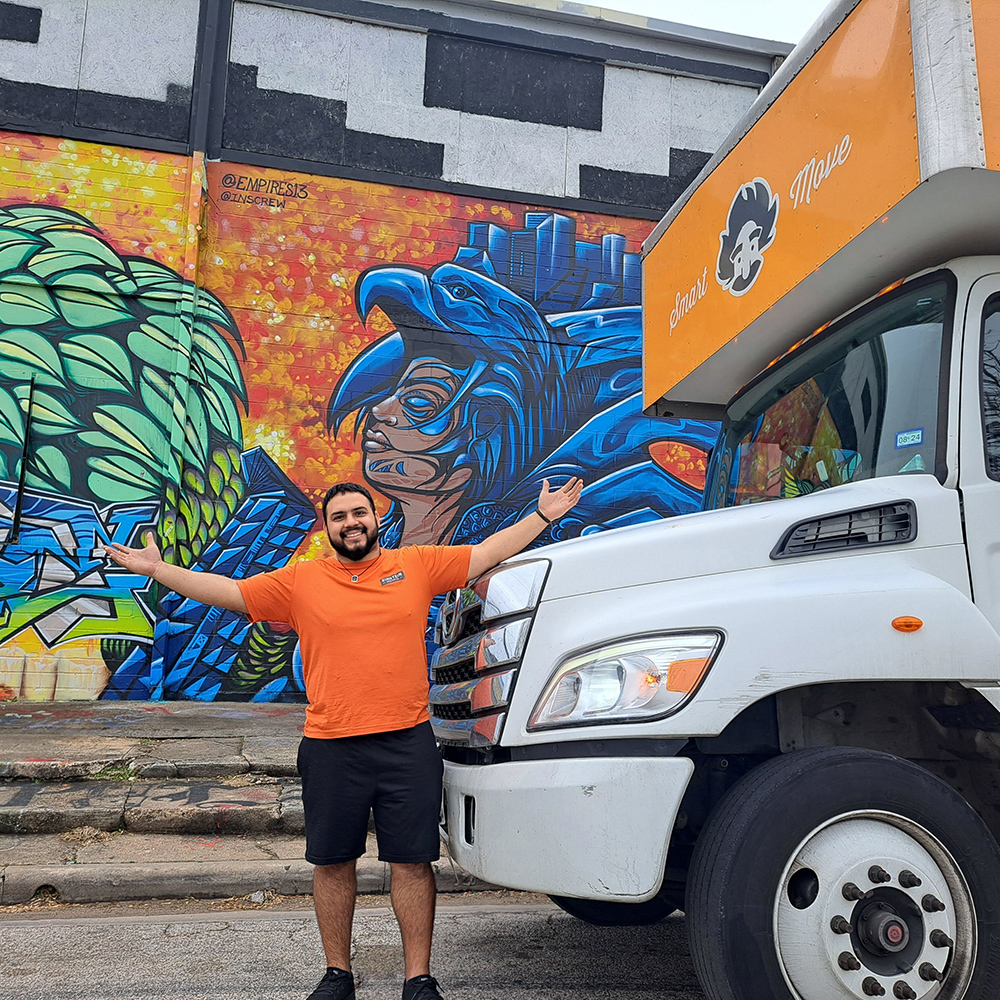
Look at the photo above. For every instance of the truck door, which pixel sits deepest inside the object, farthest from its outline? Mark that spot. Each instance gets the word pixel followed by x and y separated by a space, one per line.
pixel 979 443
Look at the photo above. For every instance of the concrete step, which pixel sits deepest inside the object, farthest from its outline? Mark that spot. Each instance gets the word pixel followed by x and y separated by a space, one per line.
pixel 66 757
pixel 93 866
pixel 243 804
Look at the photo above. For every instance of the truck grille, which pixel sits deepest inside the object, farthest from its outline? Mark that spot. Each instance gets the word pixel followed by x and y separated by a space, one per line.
pixel 452 711
pixel 460 616
pixel 456 674
pixel 472 676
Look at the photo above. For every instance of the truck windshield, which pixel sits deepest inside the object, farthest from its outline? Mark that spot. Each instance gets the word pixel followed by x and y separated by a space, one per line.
pixel 861 401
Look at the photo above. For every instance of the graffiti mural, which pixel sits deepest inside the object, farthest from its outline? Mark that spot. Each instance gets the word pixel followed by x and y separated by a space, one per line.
pixel 201 354
pixel 481 391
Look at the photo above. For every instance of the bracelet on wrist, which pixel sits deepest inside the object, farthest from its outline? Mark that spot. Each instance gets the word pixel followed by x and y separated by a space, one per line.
pixel 547 520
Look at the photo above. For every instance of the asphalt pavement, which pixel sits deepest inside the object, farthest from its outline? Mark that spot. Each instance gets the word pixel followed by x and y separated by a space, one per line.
pixel 483 951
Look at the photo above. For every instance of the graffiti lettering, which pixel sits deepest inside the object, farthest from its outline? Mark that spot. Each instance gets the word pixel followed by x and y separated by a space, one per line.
pixel 252 199
pixel 265 185
pixel 683 304
pixel 816 171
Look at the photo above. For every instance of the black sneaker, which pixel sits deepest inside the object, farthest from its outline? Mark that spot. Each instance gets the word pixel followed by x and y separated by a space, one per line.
pixel 335 985
pixel 421 988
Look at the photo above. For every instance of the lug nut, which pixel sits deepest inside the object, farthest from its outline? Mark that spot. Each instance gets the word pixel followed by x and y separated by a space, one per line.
pixel 929 973
pixel 852 892
pixel 871 987
pixel 941 940
pixel 841 925
pixel 932 904
pixel 878 875
pixel 909 881
pixel 848 962
pixel 904 991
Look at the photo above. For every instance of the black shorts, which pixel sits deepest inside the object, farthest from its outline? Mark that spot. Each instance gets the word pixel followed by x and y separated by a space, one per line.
pixel 395 775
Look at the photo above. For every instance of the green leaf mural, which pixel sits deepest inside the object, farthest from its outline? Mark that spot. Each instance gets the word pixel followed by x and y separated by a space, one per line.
pixel 91 359
pixel 16 248
pixel 11 421
pixel 51 464
pixel 138 387
pixel 24 301
pixel 49 415
pixel 33 351
pixel 265 655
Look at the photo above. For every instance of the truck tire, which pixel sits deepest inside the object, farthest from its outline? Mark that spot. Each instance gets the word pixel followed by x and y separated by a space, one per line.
pixel 841 874
pixel 605 913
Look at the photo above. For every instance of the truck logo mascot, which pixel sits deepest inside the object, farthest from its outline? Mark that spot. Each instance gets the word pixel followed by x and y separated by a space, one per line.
pixel 750 230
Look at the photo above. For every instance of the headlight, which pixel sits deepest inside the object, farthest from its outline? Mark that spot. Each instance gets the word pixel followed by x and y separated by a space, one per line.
pixel 511 589
pixel 634 680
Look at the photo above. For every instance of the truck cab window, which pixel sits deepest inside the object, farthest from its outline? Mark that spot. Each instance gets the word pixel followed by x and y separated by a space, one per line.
pixel 858 402
pixel 990 385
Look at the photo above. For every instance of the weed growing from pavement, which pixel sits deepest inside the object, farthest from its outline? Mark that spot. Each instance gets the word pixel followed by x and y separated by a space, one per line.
pixel 85 835
pixel 116 772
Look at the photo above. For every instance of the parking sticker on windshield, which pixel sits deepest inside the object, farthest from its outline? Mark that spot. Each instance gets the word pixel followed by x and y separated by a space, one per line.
pixel 907 439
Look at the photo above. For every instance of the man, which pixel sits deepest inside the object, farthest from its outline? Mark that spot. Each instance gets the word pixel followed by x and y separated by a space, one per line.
pixel 368 746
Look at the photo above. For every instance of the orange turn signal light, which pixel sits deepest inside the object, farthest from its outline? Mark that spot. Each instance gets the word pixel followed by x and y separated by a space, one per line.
pixel 907 623
pixel 683 675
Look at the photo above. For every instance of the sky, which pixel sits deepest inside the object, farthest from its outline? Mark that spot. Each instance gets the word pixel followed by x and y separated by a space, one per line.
pixel 782 20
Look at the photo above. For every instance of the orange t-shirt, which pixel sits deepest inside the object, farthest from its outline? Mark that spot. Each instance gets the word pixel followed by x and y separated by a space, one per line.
pixel 363 653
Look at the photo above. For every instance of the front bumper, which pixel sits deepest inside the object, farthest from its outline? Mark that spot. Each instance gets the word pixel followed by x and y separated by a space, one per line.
pixel 593 828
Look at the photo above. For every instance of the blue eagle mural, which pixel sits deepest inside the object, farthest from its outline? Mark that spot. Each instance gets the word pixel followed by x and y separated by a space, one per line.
pixel 507 367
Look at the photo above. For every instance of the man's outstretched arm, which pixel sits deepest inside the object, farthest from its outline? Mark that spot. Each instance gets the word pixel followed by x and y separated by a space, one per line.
pixel 208 588
pixel 552 504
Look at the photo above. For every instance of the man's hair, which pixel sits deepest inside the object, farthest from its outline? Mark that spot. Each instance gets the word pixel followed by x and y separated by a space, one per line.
pixel 339 488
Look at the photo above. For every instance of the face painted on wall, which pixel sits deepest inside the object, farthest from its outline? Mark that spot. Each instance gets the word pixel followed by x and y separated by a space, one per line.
pixel 469 394
pixel 407 434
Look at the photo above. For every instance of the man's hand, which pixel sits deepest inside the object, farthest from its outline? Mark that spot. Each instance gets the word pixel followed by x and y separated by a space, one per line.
pixel 553 504
pixel 143 561
pixel 209 588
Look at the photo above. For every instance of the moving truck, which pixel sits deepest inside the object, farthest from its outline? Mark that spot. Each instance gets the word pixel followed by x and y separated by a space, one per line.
pixel 782 714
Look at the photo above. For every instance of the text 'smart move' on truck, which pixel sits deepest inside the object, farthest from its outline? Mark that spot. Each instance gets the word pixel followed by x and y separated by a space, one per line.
pixel 784 717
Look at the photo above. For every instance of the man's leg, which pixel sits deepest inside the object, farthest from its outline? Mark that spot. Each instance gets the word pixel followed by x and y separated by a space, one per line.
pixel 335 889
pixel 337 791
pixel 413 897
pixel 407 804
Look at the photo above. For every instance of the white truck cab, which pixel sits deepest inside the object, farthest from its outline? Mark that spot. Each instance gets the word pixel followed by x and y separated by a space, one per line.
pixel 782 714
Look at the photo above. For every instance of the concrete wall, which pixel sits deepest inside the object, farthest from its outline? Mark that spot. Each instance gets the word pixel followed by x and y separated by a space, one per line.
pixel 486 95
pixel 468 111
pixel 95 64
pixel 200 348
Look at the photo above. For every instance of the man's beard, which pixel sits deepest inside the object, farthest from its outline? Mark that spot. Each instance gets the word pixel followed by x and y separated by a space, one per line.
pixel 354 554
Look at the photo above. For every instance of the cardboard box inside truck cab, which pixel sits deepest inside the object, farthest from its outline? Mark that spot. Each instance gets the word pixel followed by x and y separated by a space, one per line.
pixel 871 154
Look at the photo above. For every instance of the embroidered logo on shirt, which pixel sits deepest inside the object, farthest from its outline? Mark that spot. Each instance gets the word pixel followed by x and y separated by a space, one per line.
pixel 395 578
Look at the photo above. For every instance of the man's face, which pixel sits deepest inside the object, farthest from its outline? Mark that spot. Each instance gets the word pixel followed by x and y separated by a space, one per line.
pixel 402 430
pixel 351 525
